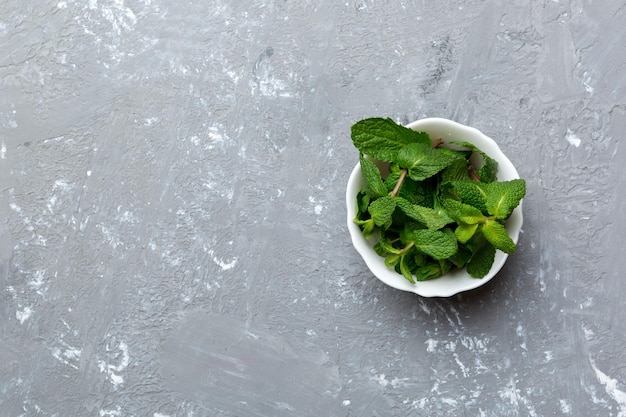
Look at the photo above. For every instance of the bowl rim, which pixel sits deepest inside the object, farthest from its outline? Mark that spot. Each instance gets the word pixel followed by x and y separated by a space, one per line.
pixel 457 280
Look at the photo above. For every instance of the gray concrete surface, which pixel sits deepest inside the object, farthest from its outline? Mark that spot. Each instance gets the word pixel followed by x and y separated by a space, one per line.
pixel 172 238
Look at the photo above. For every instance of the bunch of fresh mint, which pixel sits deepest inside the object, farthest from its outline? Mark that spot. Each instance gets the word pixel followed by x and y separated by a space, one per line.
pixel 433 210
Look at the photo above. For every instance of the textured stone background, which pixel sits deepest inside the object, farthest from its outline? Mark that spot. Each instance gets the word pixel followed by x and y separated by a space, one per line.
pixel 172 227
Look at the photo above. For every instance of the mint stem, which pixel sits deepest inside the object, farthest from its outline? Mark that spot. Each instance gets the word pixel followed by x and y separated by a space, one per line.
pixel 472 173
pixel 399 183
pixel 407 247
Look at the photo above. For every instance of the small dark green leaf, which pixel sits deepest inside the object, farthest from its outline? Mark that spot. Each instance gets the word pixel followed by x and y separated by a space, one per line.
pixel 362 202
pixel 489 170
pixel 482 260
pixel 428 272
pixel 489 167
pixel 392 180
pixel 461 257
pixel 456 171
pixel 405 269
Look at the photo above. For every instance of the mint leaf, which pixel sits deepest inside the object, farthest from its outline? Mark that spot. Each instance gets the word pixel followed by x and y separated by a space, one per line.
pixel 381 211
pixel 413 191
pixel 463 213
pixel 496 234
pixel 405 269
pixel 424 161
pixel 427 216
pixel 488 169
pixel 464 232
pixel 392 260
pixel 387 247
pixel 373 182
pixel 392 180
pixel 418 192
pixel 435 243
pixel 382 139
pixel 366 226
pixel 362 202
pixel 504 196
pixel 461 257
pixel 472 193
pixel 481 261
pixel 428 272
pixel 456 171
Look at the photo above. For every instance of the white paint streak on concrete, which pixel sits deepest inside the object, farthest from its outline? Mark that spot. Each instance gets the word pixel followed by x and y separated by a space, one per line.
pixel 113 371
pixel 224 265
pixel 111 413
pixel 149 121
pixel 464 369
pixel 68 355
pixel 317 209
pixel 38 280
pixel 431 345
pixel 3 150
pixel 612 389
pixel 573 138
pixel 566 406
pixel 589 333
pixel 23 314
pixel 381 380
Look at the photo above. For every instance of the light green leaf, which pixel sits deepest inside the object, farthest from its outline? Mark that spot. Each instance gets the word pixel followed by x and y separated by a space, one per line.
pixel 497 235
pixel 373 182
pixel 464 232
pixel 382 139
pixel 503 197
pixel 423 161
pixel 366 226
pixel 463 213
pixel 427 216
pixel 435 243
pixel 392 260
pixel 387 246
pixel 381 211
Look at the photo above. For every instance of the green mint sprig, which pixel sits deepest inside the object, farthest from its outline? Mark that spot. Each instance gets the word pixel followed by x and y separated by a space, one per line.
pixel 433 210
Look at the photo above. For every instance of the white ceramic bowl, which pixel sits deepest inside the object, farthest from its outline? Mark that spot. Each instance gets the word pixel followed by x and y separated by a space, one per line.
pixel 458 280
